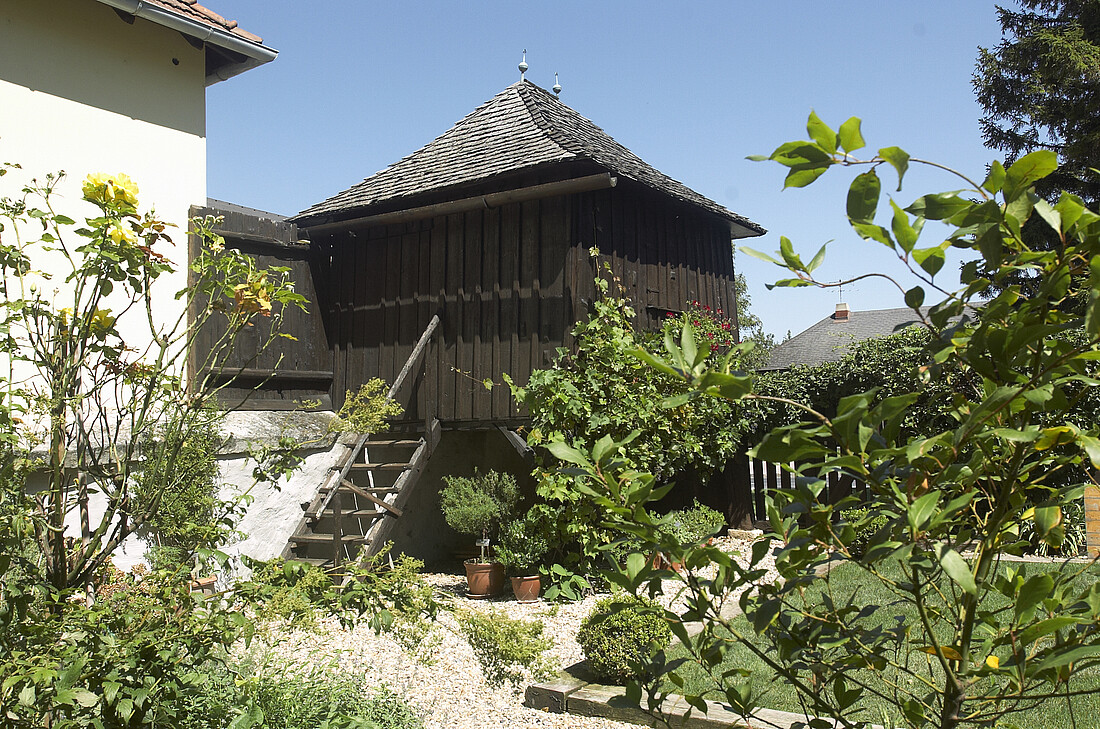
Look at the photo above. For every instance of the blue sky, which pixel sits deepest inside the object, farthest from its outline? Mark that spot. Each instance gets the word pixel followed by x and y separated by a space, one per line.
pixel 691 87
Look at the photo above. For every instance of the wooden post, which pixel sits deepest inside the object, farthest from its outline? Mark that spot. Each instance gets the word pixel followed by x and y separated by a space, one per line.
pixel 760 491
pixel 337 531
pixel 1092 520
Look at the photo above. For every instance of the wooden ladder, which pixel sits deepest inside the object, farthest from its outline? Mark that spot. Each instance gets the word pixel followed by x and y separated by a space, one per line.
pixel 353 510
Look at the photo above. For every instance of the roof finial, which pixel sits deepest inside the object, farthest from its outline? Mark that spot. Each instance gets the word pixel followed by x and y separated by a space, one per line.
pixel 557 86
pixel 523 66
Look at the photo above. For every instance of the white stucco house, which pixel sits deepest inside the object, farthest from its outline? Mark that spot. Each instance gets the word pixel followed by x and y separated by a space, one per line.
pixel 117 86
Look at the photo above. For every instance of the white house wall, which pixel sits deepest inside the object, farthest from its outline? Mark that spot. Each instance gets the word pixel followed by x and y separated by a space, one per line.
pixel 83 91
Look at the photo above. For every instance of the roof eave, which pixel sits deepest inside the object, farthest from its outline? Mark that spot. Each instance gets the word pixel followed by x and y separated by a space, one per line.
pixel 253 54
pixel 739 230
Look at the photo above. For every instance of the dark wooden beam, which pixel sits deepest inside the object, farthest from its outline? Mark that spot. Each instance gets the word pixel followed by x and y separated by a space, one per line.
pixel 490 200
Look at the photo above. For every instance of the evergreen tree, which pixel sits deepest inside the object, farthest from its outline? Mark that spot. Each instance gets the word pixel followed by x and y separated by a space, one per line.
pixel 1040 89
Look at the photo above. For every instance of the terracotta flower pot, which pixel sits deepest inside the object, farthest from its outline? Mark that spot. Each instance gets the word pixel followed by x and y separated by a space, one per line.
pixel 205 585
pixel 526 589
pixel 484 579
pixel 661 561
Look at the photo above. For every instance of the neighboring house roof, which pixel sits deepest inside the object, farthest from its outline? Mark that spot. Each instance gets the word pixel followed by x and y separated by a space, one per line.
pixel 830 338
pixel 520 128
pixel 230 50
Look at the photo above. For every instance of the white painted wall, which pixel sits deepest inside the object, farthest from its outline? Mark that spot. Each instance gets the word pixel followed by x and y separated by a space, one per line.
pixel 83 91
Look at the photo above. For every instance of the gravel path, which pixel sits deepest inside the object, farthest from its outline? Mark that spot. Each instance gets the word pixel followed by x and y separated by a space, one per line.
pixel 442 677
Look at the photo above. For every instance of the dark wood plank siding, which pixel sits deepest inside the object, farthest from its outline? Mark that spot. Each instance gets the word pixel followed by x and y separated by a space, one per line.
pixel 288 372
pixel 510 282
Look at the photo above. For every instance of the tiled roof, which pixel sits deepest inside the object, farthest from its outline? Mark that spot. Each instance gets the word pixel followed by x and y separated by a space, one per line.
pixel 522 127
pixel 829 339
pixel 206 16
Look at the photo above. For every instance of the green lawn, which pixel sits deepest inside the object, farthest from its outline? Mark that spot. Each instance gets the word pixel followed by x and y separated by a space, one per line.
pixel 845 580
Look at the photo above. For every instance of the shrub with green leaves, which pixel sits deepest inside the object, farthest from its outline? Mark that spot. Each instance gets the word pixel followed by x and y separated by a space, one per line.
pixel 367 410
pixel 695 524
pixel 509 649
pixel 178 485
pixel 1003 452
pixel 621 636
pixel 394 594
pixel 523 546
pixel 476 505
pixel 602 389
pixel 292 591
pixel 276 695
pixel 866 525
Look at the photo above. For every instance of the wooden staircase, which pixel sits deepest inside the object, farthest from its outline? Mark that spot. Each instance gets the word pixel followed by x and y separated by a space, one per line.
pixel 353 511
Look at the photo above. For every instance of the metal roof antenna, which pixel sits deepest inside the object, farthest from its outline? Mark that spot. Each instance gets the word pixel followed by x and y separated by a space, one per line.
pixel 557 86
pixel 523 66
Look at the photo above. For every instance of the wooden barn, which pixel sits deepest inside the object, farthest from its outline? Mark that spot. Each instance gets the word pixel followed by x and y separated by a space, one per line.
pixel 491 225
pixel 476 247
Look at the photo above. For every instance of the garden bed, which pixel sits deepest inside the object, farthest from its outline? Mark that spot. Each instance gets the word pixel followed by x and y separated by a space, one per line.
pixel 442 677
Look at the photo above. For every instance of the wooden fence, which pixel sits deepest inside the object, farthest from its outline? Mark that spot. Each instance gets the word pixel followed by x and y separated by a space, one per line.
pixel 764 477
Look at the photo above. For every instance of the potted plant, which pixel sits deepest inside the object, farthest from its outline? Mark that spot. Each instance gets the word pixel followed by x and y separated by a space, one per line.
pixel 521 550
pixel 477 505
pixel 691 527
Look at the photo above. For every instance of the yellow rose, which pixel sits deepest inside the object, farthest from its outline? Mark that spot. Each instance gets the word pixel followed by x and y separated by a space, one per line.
pixel 121 234
pixel 105 189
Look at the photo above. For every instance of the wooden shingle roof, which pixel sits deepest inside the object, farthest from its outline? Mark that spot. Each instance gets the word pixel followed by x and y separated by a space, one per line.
pixel 520 128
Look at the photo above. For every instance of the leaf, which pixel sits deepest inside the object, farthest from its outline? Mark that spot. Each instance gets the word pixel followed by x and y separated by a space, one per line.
pixel 993 662
pixel 125 710
pixel 790 258
pixel 1027 170
pixel 818 258
pixel 820 132
pixel 563 452
pixel 85 698
pixel 897 157
pixel 635 563
pixel 914 297
pixel 863 197
pixel 1070 656
pixel 956 568
pixel 951 654
pixel 1046 518
pixel 922 509
pixel 905 233
pixel 1033 592
pixel 930 259
pixel 1052 217
pixel 807 161
pixel 801 155
pixel 995 180
pixel 938 206
pixel 603 447
pixel 874 232
pixel 757 254
pixel 801 178
pixel 850 137
pixel 1092 449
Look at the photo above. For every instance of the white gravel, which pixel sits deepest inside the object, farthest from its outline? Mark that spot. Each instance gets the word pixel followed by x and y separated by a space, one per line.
pixel 442 677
